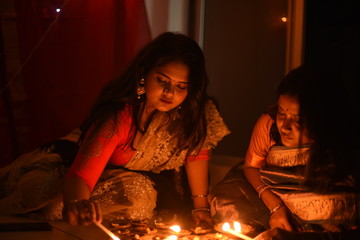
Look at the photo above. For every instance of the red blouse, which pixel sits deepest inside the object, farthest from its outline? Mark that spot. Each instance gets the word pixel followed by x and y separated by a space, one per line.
pixel 110 148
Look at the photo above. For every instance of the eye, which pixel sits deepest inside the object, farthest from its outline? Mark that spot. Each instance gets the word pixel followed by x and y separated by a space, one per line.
pixel 162 80
pixel 182 86
pixel 280 115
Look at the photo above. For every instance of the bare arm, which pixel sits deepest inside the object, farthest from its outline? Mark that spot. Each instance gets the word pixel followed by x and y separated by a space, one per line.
pixel 78 209
pixel 75 189
pixel 272 201
pixel 197 173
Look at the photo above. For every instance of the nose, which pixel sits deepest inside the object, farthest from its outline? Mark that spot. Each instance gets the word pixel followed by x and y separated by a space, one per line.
pixel 168 90
pixel 287 123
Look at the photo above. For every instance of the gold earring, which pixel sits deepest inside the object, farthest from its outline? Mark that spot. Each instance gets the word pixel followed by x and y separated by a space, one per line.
pixel 140 90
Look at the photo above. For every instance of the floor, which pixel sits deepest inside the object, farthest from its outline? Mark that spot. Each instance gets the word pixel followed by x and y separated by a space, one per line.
pixel 60 230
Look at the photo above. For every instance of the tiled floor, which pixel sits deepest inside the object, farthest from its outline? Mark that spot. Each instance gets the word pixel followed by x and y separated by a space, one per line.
pixel 60 231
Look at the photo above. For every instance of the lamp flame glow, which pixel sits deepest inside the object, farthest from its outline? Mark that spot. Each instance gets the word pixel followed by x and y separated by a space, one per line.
pixel 237 227
pixel 176 228
pixel 226 228
pixel 172 237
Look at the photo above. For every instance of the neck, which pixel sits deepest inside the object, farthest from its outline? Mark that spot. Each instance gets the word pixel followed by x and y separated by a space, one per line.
pixel 146 117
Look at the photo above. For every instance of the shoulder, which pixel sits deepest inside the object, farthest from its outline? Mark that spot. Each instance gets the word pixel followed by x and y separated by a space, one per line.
pixel 211 109
pixel 216 127
pixel 260 142
pixel 262 128
pixel 264 122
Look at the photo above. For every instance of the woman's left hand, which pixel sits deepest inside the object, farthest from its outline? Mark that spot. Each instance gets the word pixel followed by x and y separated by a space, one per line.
pixel 202 216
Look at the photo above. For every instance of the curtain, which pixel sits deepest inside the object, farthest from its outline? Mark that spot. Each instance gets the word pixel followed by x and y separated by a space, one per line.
pixel 70 49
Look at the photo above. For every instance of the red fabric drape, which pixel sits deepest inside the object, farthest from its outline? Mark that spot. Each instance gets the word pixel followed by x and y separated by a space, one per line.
pixel 90 43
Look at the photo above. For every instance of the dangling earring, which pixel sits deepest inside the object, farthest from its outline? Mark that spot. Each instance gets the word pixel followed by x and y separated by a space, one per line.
pixel 140 90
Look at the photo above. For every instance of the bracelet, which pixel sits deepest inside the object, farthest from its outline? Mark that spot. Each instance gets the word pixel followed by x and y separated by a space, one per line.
pixel 260 186
pixel 70 202
pixel 262 190
pixel 276 208
pixel 199 196
pixel 200 209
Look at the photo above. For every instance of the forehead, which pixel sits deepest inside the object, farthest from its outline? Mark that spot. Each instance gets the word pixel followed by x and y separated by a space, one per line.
pixel 289 104
pixel 174 70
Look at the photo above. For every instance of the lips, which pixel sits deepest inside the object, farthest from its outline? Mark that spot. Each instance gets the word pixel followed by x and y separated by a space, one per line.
pixel 285 136
pixel 166 101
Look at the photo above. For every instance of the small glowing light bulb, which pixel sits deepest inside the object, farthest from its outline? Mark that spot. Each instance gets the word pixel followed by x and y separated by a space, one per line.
pixel 284 19
pixel 58 10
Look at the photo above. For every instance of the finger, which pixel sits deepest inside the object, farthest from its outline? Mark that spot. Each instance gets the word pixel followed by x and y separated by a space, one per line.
pixel 210 221
pixel 90 209
pixel 71 214
pixel 84 215
pixel 196 219
pixel 287 226
pixel 98 213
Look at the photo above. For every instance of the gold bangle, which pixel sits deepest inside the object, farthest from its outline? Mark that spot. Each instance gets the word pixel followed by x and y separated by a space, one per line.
pixel 200 209
pixel 260 186
pixel 199 196
pixel 262 190
pixel 70 202
pixel 276 208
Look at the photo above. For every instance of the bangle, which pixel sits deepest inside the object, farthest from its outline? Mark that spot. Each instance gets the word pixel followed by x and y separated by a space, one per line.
pixel 70 202
pixel 260 186
pixel 200 209
pixel 199 196
pixel 276 208
pixel 262 190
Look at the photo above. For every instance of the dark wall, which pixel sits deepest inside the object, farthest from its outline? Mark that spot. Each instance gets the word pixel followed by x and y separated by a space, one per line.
pixel 244 45
pixel 333 37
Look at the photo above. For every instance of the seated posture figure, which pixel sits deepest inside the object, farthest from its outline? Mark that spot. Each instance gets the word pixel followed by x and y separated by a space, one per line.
pixel 300 177
pixel 143 128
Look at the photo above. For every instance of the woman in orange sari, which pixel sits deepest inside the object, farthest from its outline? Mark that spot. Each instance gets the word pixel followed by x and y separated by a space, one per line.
pixel 300 178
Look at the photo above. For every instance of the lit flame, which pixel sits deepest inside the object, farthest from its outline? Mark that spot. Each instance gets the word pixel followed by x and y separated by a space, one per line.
pixel 237 227
pixel 175 228
pixel 226 227
pixel 284 19
pixel 172 237
pixel 236 232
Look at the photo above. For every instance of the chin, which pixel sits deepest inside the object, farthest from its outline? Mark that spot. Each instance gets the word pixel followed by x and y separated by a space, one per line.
pixel 289 143
pixel 164 108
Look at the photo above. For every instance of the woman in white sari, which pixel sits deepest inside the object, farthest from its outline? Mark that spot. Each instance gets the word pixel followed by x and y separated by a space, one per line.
pixel 145 126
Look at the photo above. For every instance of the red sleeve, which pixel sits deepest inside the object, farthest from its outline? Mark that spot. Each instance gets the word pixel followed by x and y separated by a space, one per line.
pixel 260 142
pixel 203 155
pixel 95 154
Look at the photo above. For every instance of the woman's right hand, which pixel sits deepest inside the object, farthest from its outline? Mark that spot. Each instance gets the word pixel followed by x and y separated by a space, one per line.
pixel 81 212
pixel 281 219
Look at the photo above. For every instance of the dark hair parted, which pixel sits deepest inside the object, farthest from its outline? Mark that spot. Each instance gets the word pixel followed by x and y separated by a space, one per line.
pixel 168 47
pixel 328 114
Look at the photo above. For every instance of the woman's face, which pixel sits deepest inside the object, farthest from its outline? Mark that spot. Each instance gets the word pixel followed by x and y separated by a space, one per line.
pixel 166 87
pixel 287 121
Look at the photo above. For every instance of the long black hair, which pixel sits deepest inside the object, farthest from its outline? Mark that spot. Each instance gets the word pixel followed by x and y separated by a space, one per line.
pixel 329 115
pixel 190 128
